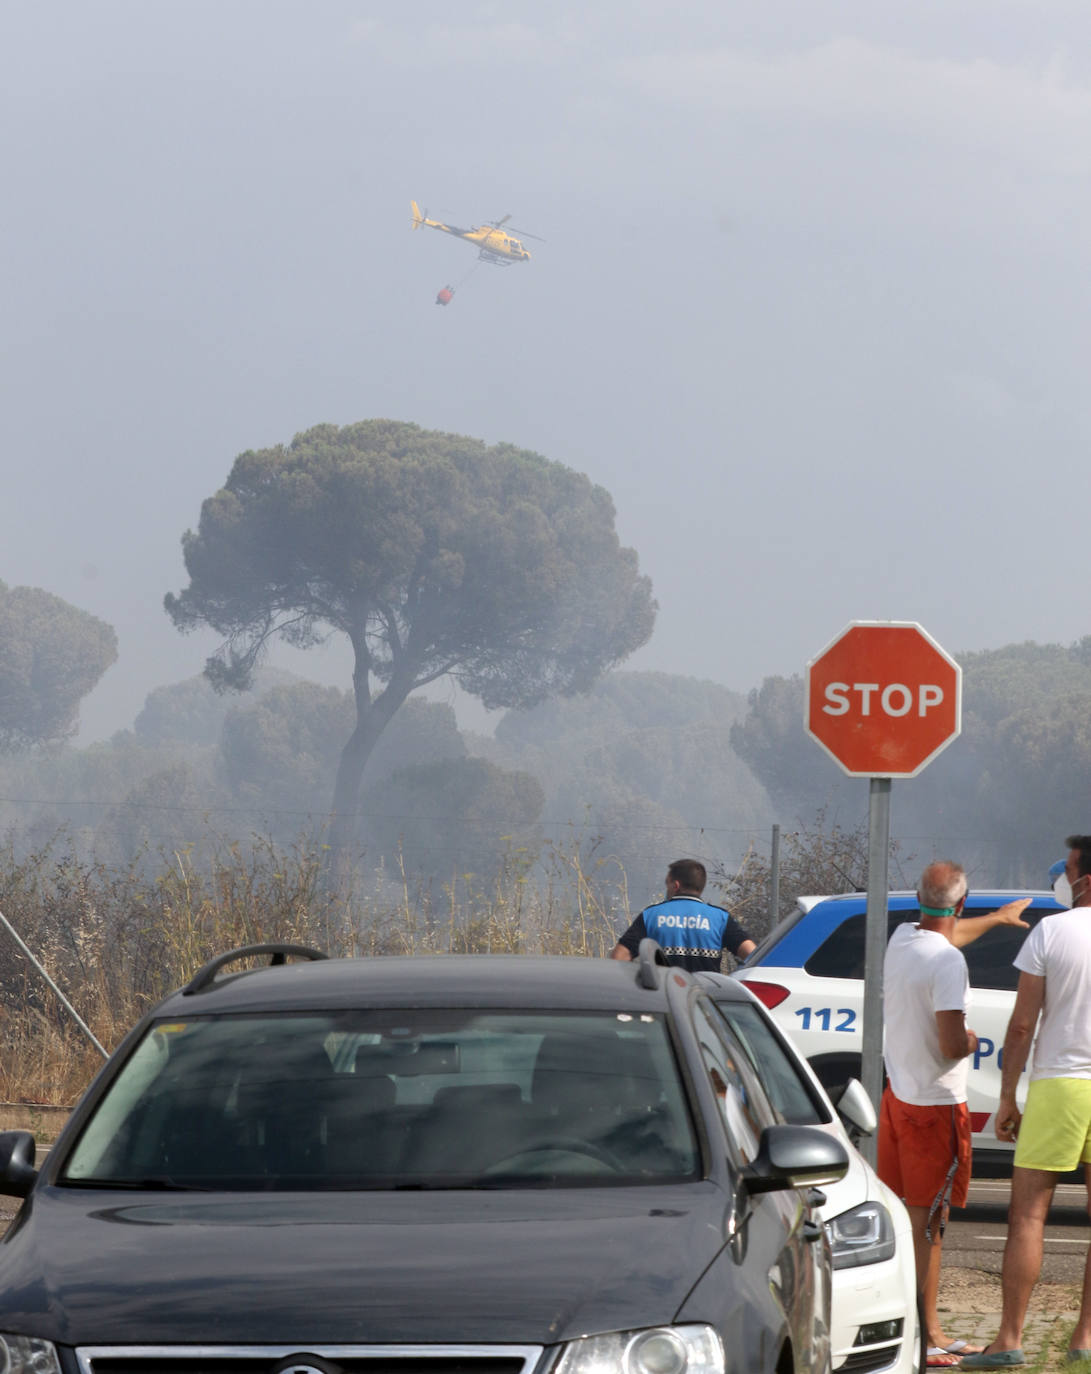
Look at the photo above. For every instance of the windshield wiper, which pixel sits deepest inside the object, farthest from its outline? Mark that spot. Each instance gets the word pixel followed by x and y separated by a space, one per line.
pixel 477 1183
pixel 154 1184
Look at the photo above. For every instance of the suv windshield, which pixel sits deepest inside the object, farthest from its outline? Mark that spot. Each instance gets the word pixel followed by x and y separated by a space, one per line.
pixel 389 1099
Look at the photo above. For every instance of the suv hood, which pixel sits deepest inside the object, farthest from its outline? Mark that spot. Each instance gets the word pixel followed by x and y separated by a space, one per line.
pixel 501 1266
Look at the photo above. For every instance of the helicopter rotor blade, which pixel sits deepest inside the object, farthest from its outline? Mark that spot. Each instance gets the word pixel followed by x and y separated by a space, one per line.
pixel 498 222
pixel 526 234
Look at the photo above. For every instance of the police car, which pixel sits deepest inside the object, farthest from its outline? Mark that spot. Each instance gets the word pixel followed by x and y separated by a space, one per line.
pixel 809 972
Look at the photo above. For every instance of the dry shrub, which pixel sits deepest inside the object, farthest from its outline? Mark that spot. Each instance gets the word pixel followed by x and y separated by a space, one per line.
pixel 116 940
pixel 826 858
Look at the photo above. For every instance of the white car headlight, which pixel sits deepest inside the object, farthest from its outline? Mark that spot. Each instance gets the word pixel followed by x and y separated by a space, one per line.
pixel 27 1355
pixel 695 1349
pixel 862 1235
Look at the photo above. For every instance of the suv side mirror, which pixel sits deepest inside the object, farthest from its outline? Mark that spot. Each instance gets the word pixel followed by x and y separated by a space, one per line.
pixel 17 1171
pixel 856 1110
pixel 795 1157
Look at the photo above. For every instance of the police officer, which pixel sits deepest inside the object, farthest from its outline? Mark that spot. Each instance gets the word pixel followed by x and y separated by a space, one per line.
pixel 692 933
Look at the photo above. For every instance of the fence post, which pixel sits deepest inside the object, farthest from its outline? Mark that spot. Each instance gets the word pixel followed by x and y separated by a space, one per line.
pixel 774 879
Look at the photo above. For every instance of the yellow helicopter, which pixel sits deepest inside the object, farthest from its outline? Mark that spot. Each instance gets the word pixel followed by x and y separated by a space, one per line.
pixel 492 243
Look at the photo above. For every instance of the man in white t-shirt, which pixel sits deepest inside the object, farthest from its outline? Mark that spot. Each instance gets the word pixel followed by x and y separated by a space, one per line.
pixel 924 1124
pixel 1053 1132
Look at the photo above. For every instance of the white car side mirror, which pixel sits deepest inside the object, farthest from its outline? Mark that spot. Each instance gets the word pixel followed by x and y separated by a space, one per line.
pixel 856 1109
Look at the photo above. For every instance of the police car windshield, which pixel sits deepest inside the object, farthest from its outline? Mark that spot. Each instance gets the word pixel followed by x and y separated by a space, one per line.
pixel 775 936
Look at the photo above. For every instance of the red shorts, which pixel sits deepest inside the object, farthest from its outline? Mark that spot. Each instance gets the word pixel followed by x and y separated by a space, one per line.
pixel 924 1152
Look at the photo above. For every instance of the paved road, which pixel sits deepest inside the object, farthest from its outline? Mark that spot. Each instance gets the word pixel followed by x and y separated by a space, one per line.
pixel 975 1236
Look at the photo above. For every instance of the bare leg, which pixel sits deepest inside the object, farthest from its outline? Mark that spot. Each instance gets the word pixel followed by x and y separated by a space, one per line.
pixel 1031 1195
pixel 1081 1337
pixel 928 1254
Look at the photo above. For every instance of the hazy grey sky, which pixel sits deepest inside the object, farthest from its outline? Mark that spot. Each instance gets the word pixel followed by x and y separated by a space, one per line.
pixel 813 304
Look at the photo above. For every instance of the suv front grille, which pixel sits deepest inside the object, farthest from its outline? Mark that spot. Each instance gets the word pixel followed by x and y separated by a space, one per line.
pixel 334 1359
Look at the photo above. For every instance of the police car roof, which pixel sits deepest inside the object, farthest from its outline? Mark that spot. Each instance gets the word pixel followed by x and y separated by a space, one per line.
pixel 999 895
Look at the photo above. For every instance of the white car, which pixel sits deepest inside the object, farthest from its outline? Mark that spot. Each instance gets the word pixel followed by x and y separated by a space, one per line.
pixel 875 1323
pixel 809 972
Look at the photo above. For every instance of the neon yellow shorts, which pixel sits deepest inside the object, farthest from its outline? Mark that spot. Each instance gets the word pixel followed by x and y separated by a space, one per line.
pixel 1055 1132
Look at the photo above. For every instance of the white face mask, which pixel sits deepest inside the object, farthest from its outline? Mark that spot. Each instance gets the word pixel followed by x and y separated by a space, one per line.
pixel 1062 889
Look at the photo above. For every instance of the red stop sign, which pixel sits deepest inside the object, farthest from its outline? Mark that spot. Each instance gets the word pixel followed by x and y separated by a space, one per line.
pixel 883 699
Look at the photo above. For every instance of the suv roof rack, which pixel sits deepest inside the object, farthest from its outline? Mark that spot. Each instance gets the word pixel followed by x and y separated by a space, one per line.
pixel 649 955
pixel 206 975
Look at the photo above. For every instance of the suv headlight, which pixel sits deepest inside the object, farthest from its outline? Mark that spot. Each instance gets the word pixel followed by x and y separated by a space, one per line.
pixel 695 1349
pixel 862 1235
pixel 27 1355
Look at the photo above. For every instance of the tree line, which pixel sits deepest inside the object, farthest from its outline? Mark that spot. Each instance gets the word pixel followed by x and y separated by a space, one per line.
pixel 436 556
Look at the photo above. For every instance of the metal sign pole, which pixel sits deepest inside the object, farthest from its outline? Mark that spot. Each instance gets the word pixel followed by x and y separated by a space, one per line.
pixel 877 888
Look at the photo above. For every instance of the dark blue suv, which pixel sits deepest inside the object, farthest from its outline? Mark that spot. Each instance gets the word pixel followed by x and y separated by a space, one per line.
pixel 450 1165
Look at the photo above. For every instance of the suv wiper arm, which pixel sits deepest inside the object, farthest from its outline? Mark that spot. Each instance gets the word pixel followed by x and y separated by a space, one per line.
pixel 154 1183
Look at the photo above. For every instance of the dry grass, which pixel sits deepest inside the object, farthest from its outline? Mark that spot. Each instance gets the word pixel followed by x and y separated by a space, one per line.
pixel 115 941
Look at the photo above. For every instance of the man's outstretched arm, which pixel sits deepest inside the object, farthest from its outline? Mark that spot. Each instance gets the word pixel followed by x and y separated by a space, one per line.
pixel 969 928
